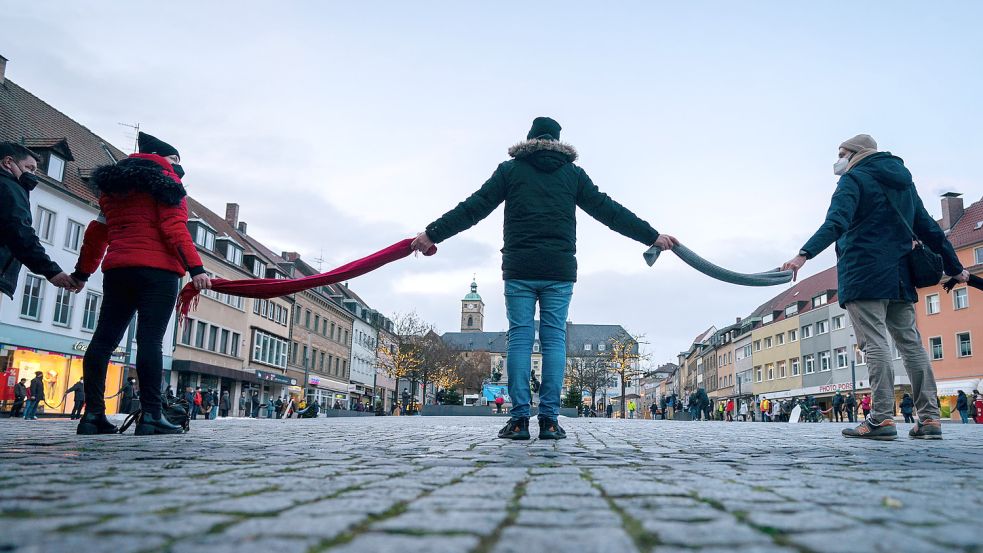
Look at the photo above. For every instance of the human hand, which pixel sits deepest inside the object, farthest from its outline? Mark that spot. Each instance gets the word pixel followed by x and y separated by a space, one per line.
pixel 78 284
pixel 201 282
pixel 422 243
pixel 666 242
pixel 962 277
pixel 794 265
pixel 63 280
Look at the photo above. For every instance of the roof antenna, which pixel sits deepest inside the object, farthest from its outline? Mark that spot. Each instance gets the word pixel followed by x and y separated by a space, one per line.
pixel 319 260
pixel 136 137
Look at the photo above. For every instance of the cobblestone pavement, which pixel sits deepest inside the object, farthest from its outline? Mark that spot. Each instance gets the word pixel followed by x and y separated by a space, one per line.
pixel 447 485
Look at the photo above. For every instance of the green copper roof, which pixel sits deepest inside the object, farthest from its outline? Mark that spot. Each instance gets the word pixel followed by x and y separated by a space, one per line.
pixel 473 295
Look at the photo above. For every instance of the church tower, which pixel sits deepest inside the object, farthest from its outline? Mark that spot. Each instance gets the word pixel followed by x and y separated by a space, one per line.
pixel 472 311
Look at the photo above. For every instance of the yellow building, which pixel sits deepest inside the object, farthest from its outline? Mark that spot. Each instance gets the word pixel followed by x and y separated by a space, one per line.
pixel 775 355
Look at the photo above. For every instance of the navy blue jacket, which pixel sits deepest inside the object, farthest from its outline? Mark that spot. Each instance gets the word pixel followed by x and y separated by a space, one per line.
pixel 871 241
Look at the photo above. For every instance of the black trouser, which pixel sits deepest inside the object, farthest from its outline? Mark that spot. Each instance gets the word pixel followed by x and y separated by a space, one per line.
pixel 77 410
pixel 151 293
pixel 17 408
pixel 908 417
pixel 838 413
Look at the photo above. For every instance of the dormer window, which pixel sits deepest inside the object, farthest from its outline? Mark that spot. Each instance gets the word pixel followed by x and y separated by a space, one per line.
pixel 56 167
pixel 205 237
pixel 259 269
pixel 233 255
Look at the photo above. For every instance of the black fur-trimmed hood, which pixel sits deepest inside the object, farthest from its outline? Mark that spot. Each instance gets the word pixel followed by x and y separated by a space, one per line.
pixel 144 175
pixel 529 147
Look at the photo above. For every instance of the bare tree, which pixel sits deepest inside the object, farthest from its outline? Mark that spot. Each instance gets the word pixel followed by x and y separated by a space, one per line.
pixel 624 359
pixel 402 356
pixel 474 368
pixel 590 373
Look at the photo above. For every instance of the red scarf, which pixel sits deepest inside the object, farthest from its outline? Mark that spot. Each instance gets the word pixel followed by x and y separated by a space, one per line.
pixel 275 287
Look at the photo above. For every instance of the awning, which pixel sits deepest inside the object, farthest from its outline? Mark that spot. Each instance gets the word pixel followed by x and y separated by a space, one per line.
pixel 952 387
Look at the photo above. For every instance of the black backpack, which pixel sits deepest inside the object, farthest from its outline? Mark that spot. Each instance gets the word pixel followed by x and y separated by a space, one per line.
pixel 175 410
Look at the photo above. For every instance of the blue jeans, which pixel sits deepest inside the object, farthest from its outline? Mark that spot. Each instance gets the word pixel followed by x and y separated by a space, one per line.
pixel 30 409
pixel 520 306
pixel 963 414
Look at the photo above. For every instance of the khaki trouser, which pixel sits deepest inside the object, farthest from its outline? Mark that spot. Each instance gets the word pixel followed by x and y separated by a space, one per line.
pixel 873 320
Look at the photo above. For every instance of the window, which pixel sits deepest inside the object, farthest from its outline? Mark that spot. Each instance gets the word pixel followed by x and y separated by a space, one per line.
pixel 587 347
pixel 757 373
pixel 317 322
pixel 747 351
pixel 324 327
pixel 186 331
pixel 200 334
pixel 757 345
pixel 30 306
pixel 770 370
pixel 346 338
pixel 859 355
pixel 73 238
pixel 807 332
pixel 838 322
pixel 822 327
pixel 960 298
pixel 223 345
pixel 600 347
pixel 932 304
pixel 305 358
pixel 205 237
pixel 332 331
pixel 256 306
pixel 768 342
pixel 64 301
pixel 767 318
pixel 233 255
pixel 44 224
pixel 978 254
pixel 821 299
pixel 792 309
pixel 270 349
pixel 90 316
pixel 296 315
pixel 56 167
pixel 234 346
pixel 795 367
pixel 965 343
pixel 779 339
pixel 781 369
pixel 793 335
pixel 824 364
pixel 842 360
pixel 935 347
pixel 810 363
pixel 213 338
pixel 259 269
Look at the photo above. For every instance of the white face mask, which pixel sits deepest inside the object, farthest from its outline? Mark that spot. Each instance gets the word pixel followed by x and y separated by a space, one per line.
pixel 840 166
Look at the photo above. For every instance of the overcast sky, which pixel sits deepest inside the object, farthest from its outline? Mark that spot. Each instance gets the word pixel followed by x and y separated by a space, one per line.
pixel 343 127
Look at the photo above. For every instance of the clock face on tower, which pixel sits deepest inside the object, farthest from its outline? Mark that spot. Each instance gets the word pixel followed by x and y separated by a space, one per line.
pixel 469 306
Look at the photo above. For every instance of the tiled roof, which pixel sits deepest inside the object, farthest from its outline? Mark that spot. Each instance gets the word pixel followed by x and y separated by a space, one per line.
pixel 805 290
pixel 496 342
pixel 26 119
pixel 968 230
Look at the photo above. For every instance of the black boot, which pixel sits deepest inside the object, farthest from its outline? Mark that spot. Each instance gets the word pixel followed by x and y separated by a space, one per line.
pixel 149 426
pixel 91 424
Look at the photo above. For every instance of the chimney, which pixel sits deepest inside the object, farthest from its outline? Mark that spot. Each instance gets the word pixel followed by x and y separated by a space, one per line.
pixel 952 210
pixel 232 214
pixel 3 69
pixel 242 227
pixel 290 256
pixel 738 320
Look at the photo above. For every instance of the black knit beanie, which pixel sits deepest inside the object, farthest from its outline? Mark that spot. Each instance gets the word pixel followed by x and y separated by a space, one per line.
pixel 544 127
pixel 152 145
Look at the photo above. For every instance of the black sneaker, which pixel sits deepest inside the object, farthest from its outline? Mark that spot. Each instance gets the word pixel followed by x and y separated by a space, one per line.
pixel 885 430
pixel 928 429
pixel 549 429
pixel 516 429
pixel 91 425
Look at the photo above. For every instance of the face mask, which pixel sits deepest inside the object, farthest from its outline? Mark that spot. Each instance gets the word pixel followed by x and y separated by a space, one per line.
pixel 178 170
pixel 28 180
pixel 840 166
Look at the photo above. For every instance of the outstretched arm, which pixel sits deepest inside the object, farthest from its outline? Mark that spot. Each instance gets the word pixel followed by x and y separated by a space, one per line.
pixel 842 208
pixel 466 214
pixel 617 217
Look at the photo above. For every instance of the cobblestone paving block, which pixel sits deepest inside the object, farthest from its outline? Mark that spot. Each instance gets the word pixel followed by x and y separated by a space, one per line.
pixel 742 549
pixel 525 540
pixel 83 542
pixel 295 523
pixel 172 526
pixel 398 543
pixel 224 543
pixel 719 532
pixel 802 521
pixel 875 539
pixel 594 518
pixel 443 522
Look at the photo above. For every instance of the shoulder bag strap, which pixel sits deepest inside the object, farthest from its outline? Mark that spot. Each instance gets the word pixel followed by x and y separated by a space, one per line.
pixel 904 221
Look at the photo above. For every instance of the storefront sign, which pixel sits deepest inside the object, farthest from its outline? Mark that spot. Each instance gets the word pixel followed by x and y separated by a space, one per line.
pixel 313 380
pixel 278 378
pixel 842 387
pixel 84 346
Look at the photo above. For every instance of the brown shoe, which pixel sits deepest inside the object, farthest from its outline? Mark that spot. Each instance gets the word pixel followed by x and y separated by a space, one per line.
pixel 928 429
pixel 869 430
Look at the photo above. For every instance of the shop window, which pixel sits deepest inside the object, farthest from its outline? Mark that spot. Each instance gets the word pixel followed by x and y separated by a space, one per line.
pixel 30 307
pixel 64 301
pixel 90 315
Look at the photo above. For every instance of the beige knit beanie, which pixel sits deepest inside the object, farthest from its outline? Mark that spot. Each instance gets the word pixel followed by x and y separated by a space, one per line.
pixel 859 143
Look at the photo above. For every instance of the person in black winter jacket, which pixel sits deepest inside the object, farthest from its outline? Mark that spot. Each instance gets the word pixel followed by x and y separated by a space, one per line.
pixel 908 408
pixel 962 405
pixel 78 396
pixel 20 396
pixel 128 402
pixel 541 188
pixel 19 243
pixel 35 397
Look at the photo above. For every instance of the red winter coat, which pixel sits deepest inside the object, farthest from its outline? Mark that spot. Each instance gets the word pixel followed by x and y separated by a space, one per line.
pixel 144 220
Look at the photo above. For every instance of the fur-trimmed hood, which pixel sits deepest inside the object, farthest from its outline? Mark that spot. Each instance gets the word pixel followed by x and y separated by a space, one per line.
pixel 141 172
pixel 529 147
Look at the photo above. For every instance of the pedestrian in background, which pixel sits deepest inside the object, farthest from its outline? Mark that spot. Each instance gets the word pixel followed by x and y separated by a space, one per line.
pixel 838 407
pixel 978 404
pixel 729 410
pixel 865 405
pixel 908 408
pixel 206 404
pixel 196 403
pixel 243 405
pixel 851 407
pixel 224 404
pixel 962 405
pixel 255 405
pixel 78 397
pixel 278 405
pixel 609 410
pixel 270 407
pixel 631 409
pixel 20 396
pixel 128 396
pixel 743 411
pixel 35 396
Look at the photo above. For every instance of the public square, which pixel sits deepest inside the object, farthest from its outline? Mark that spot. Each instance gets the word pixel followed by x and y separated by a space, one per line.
pixel 446 484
